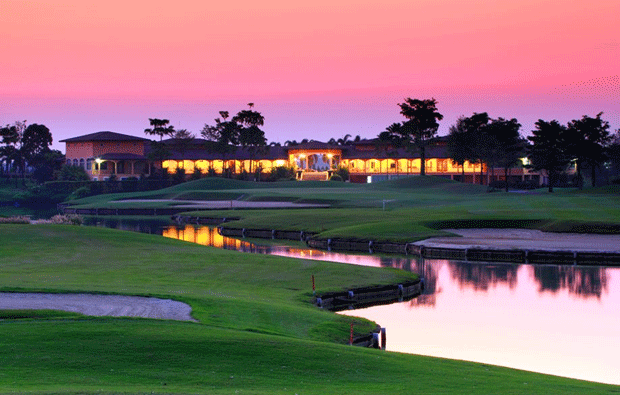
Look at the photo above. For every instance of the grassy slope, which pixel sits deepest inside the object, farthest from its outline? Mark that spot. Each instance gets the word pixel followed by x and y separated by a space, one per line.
pixel 416 207
pixel 257 333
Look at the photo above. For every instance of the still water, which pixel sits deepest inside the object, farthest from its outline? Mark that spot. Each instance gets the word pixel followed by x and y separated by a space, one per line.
pixel 561 320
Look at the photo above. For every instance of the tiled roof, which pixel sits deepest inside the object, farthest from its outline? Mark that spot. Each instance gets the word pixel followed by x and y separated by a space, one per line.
pixel 103 136
pixel 313 145
pixel 200 149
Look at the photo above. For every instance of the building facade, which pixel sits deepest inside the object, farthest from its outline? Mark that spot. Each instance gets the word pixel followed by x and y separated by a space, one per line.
pixel 107 154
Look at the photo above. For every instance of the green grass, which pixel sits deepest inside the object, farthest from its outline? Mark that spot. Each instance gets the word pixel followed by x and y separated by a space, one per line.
pixel 257 332
pixel 415 207
pixel 164 357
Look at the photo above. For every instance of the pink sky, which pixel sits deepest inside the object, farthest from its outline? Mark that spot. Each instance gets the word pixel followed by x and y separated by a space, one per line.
pixel 314 69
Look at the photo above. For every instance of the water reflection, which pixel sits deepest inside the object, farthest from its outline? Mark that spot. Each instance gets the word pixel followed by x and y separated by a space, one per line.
pixel 482 276
pixel 561 320
pixel 582 281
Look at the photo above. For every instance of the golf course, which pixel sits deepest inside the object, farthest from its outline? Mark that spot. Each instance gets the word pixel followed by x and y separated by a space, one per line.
pixel 256 328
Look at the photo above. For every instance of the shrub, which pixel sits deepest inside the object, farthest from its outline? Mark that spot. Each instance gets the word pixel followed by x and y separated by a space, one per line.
pixel 67 219
pixel 80 193
pixel 196 175
pixel 343 172
pixel 336 177
pixel 281 173
pixel 14 220
pixel 72 173
pixel 179 176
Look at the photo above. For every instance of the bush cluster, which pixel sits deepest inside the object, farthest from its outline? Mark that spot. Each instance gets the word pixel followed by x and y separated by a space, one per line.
pixel 14 220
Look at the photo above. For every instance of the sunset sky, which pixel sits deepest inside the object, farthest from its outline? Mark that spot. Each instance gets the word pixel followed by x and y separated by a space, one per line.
pixel 315 70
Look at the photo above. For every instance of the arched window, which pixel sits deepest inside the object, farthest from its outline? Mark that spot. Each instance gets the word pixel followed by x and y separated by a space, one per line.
pixel 89 164
pixel 82 163
pixel 75 162
pixel 68 162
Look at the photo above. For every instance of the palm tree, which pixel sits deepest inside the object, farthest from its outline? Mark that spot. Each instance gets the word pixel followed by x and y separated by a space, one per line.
pixel 159 127
pixel 344 140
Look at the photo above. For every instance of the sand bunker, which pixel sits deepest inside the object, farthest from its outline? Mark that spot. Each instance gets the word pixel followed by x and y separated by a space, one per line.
pixel 99 305
pixel 224 204
pixel 525 239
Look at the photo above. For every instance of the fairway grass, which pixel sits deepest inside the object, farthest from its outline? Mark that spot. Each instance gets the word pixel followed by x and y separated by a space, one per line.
pixel 140 356
pixel 404 210
pixel 258 332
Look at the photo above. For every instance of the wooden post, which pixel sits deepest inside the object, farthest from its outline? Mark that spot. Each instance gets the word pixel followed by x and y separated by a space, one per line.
pixel 351 336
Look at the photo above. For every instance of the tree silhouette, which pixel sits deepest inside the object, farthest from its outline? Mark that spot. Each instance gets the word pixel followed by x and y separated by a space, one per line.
pixel 159 127
pixel 468 141
pixel 224 136
pixel 506 146
pixel 36 139
pixel 460 144
pixel 420 127
pixel 612 150
pixel 587 139
pixel 10 152
pixel 250 135
pixel 159 152
pixel 549 150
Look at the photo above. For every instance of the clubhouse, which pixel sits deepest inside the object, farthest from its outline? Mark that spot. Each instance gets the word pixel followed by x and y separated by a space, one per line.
pixel 105 154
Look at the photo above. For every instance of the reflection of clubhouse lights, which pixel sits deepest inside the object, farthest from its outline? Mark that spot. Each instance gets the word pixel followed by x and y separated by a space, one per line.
pixel 205 236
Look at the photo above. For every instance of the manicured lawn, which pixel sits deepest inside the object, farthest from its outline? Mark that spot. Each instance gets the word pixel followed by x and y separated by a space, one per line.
pixel 257 332
pixel 415 208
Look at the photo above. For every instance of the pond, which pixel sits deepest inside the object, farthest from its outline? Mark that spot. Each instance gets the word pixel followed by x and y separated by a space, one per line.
pixel 561 320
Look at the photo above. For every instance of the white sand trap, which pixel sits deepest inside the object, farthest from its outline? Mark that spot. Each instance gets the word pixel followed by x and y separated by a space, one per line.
pixel 99 305
pixel 224 204
pixel 525 239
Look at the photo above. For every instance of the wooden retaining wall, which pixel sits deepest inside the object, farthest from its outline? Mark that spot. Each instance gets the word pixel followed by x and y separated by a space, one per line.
pixel 265 234
pixel 520 256
pixel 370 296
pixel 368 246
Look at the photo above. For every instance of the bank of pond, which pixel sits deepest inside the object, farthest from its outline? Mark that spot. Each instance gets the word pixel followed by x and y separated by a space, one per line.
pixel 526 316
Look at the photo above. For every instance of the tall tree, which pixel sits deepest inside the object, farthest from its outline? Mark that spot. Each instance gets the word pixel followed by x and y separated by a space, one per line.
pixel 23 144
pixel 549 150
pixel 11 152
pixel 509 145
pixel 36 139
pixel 35 143
pixel 47 164
pixel 421 125
pixel 224 135
pixel 588 138
pixel 251 136
pixel 467 140
pixel 612 151
pixel 459 144
pixel 161 128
